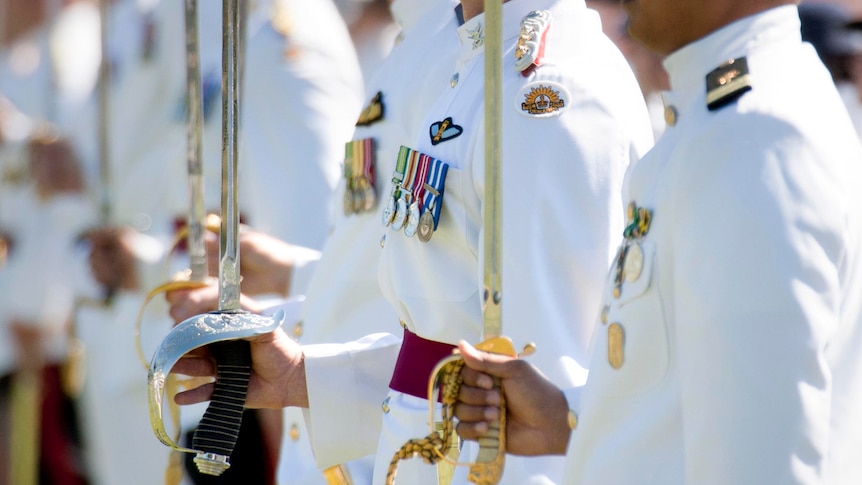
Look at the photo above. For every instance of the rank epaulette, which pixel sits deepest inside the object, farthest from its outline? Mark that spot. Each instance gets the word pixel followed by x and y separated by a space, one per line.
pixel 531 41
pixel 726 83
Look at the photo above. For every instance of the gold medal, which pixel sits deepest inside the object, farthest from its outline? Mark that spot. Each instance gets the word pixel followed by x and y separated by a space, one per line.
pixel 348 201
pixel 359 195
pixel 426 226
pixel 370 198
pixel 616 341
pixel 412 223
pixel 634 262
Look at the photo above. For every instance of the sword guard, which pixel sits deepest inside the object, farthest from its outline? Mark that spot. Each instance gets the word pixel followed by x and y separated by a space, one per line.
pixel 196 332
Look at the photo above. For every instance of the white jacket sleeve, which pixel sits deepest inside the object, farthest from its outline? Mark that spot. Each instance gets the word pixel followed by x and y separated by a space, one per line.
pixel 346 386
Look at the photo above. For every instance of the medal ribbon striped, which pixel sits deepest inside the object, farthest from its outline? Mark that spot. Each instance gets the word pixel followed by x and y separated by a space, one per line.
pixel 410 174
pixel 367 148
pixel 434 184
pixel 400 166
pixel 422 175
pixel 419 183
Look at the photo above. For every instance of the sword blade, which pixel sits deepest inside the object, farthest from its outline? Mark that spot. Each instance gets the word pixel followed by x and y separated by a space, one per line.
pixel 492 311
pixel 229 275
pixel 104 105
pixel 194 137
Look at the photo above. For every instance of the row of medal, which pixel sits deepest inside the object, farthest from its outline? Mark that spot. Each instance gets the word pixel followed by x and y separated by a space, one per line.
pixel 629 266
pixel 630 258
pixel 359 193
pixel 417 194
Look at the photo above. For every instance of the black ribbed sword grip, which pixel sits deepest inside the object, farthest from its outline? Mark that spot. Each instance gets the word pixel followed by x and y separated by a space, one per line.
pixel 218 430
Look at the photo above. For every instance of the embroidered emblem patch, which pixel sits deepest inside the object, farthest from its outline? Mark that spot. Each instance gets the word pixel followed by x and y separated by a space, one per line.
pixel 542 99
pixel 373 112
pixel 441 131
pixel 477 35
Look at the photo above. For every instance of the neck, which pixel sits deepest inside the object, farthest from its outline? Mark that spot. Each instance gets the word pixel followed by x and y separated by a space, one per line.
pixel 725 13
pixel 472 8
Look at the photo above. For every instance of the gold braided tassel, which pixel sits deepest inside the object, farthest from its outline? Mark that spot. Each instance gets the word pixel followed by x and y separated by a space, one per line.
pixel 432 448
pixel 436 447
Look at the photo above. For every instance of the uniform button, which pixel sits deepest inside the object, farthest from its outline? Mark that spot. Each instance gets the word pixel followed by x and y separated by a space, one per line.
pixel 297 330
pixel 572 419
pixel 385 405
pixel 294 432
pixel 454 81
pixel 383 241
pixel 670 115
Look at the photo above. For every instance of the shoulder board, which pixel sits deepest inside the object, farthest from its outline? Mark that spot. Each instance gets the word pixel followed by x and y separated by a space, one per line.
pixel 531 41
pixel 726 83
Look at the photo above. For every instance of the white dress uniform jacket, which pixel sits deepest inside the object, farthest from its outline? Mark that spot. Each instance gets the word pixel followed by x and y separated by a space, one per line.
pixel 562 172
pixel 344 301
pixel 741 359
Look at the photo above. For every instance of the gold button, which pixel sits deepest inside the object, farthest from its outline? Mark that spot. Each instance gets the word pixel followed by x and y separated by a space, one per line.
pixel 297 329
pixel 383 241
pixel 572 420
pixel 294 432
pixel 454 81
pixel 670 115
pixel 385 405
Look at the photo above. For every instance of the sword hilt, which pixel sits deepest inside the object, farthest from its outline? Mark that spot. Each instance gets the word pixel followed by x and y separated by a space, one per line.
pixel 222 331
pixel 488 467
pixel 216 435
pixel 445 381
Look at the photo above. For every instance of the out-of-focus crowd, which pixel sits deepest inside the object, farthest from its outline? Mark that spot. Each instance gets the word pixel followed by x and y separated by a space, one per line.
pixel 94 189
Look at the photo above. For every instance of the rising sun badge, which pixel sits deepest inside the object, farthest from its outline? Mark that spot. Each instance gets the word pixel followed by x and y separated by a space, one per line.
pixel 542 99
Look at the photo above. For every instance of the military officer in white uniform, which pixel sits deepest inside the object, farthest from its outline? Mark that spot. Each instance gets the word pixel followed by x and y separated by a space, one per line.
pixel 313 71
pixel 573 120
pixel 344 301
pixel 728 349
pixel 577 115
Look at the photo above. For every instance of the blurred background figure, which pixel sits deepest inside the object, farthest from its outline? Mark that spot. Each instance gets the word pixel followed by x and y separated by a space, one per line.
pixel 645 63
pixel 829 27
pixel 43 208
pixel 301 93
pixel 301 96
pixel 48 56
pixel 373 31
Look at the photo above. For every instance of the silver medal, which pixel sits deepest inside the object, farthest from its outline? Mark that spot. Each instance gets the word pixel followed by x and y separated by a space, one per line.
pixel 389 211
pixel 400 213
pixel 412 223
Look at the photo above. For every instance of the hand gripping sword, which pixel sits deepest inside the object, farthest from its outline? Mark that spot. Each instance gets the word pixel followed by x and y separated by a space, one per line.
pixel 193 233
pixel 222 330
pixel 488 468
